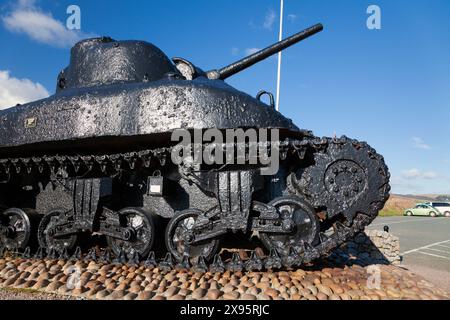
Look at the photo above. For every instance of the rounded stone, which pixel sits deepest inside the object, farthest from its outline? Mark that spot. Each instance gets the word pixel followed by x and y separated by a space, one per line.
pixel 263 285
pixel 285 296
pixel 198 293
pixel 228 287
pixel 117 294
pixel 102 294
pixel 91 293
pixel 248 297
pixel 171 291
pixel 184 292
pixel 18 282
pixel 41 284
pixel 145 295
pixel 313 289
pixel 254 291
pixel 54 286
pixel 272 292
pixel 321 296
pixel 213 294
pixel 130 296
pixel 232 295
pixel 324 289
pixel 10 281
pixel 79 291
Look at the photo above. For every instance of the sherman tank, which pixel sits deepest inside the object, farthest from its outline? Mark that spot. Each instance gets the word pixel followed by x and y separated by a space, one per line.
pixel 96 160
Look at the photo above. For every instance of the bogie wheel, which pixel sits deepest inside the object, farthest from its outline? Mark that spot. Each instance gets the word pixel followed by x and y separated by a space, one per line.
pixel 45 237
pixel 139 225
pixel 180 230
pixel 19 228
pixel 306 225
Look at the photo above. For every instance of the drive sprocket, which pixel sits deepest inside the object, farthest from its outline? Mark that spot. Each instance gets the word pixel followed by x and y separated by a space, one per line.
pixel 347 178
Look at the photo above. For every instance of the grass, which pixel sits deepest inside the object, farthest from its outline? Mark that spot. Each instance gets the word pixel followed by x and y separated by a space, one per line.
pixel 389 212
pixel 397 204
pixel 20 290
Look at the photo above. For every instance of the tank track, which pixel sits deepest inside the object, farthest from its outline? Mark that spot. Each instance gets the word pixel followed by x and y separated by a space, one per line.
pixel 345 223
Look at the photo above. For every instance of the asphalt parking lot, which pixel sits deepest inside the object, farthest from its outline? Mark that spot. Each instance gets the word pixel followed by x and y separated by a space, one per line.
pixel 424 245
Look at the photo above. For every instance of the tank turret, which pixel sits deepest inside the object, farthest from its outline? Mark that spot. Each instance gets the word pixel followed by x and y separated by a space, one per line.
pixel 103 61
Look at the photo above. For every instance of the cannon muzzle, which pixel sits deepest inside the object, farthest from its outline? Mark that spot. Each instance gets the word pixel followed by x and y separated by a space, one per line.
pixel 246 62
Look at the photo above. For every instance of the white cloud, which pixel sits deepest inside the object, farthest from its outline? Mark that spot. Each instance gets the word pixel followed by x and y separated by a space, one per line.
pixel 269 20
pixel 14 91
pixel 411 174
pixel 28 19
pixel 419 174
pixel 420 144
pixel 250 51
pixel 430 175
pixel 26 3
pixel 399 185
pixel 291 17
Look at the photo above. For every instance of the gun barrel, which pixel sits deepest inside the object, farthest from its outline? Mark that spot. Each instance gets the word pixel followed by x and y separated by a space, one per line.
pixel 246 62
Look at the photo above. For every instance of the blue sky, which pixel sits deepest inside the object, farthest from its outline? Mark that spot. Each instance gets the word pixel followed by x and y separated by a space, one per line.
pixel 390 87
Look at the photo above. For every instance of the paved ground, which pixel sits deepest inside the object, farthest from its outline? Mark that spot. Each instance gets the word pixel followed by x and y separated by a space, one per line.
pixel 424 245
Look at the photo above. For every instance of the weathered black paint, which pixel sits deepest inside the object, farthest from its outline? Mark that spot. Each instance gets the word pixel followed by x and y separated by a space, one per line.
pixel 83 160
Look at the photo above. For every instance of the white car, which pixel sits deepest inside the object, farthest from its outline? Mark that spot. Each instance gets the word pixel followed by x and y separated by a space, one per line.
pixel 443 207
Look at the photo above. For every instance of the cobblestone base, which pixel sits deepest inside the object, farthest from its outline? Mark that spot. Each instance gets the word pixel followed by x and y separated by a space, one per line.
pixel 360 269
pixel 97 281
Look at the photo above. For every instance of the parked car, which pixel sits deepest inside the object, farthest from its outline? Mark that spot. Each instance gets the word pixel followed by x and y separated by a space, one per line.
pixel 422 209
pixel 443 207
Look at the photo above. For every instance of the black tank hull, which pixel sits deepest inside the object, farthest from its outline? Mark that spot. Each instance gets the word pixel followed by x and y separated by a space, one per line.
pixel 125 114
pixel 96 158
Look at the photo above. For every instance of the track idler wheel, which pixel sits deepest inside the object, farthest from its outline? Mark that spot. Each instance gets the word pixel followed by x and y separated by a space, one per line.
pixel 18 228
pixel 179 235
pixel 304 230
pixel 45 235
pixel 139 231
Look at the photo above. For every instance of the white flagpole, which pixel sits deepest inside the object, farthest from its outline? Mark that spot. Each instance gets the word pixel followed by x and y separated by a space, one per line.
pixel 280 37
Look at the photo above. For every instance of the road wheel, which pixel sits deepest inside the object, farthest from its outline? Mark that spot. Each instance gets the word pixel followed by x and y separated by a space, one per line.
pixel 18 228
pixel 45 236
pixel 432 214
pixel 305 229
pixel 179 232
pixel 408 213
pixel 140 229
pixel 447 214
